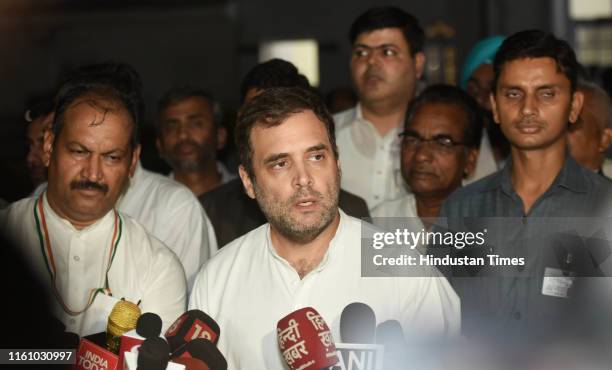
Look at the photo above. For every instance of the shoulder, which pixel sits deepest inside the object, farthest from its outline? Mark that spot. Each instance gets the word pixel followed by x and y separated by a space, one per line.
pixel 345 118
pixel 242 249
pixel 399 207
pixel 15 212
pixel 144 244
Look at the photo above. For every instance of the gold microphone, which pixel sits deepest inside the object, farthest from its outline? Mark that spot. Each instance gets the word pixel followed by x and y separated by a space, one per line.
pixel 122 318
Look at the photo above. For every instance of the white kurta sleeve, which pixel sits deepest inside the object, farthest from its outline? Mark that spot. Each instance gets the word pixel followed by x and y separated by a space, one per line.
pixel 166 290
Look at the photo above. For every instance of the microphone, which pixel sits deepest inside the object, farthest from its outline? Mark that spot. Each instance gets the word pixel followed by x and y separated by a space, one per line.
pixel 191 325
pixel 148 326
pixel 357 323
pixel 92 354
pixel 358 331
pixel 203 350
pixel 122 318
pixel 305 340
pixel 390 334
pixel 153 354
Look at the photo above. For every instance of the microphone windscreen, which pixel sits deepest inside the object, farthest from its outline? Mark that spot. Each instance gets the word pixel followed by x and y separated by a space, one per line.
pixel 149 325
pixel 357 324
pixel 305 340
pixel 122 318
pixel 389 331
pixel 191 325
pixel 153 354
pixel 204 350
pixel 191 363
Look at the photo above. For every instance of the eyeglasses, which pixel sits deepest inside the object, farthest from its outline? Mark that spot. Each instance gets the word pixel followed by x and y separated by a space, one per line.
pixel 440 143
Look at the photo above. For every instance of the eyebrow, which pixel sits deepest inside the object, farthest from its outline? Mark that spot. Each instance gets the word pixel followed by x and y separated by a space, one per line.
pixel 115 150
pixel 374 46
pixel 275 157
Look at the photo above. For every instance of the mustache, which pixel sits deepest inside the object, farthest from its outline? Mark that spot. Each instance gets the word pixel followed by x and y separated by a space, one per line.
pixel 305 193
pixel 373 72
pixel 190 143
pixel 88 185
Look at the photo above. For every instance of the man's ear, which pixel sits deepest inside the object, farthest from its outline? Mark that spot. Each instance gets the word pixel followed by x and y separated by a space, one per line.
pixel 470 162
pixel 576 108
pixel 221 137
pixel 48 141
pixel 246 182
pixel 135 159
pixel 494 108
pixel 419 64
pixel 605 140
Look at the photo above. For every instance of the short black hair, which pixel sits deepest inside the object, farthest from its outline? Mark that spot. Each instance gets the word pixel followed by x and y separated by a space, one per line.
pixel 182 92
pixel 271 108
pixel 39 107
pixel 117 82
pixel 531 44
pixel 273 73
pixel 452 95
pixel 390 17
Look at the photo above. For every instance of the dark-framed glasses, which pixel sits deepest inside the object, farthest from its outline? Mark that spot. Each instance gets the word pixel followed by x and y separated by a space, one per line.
pixel 439 143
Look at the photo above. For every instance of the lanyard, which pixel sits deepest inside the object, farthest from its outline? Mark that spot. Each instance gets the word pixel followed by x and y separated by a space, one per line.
pixel 47 252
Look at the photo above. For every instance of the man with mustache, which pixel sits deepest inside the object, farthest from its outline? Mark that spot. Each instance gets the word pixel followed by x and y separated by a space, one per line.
pixel 529 209
pixel 439 149
pixel 89 255
pixel 308 254
pixel 189 135
pixel 387 61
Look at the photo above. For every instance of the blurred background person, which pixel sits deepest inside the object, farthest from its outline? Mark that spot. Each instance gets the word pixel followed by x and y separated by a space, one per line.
pixel 190 134
pixel 590 136
pixel 477 79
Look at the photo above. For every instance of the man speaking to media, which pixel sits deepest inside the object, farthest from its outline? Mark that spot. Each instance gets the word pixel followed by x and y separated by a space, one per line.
pixel 308 254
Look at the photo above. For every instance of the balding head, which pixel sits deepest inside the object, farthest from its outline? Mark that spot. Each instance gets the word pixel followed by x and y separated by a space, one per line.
pixel 591 135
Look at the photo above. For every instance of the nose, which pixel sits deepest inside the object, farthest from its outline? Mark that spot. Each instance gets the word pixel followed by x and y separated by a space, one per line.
pixel 529 107
pixel 424 152
pixel 183 131
pixel 303 177
pixel 34 156
pixel 92 169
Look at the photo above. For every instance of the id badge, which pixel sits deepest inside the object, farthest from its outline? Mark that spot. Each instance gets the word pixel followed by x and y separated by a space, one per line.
pixel 557 283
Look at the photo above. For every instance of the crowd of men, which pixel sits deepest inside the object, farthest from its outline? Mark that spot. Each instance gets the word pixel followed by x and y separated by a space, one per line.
pixel 522 141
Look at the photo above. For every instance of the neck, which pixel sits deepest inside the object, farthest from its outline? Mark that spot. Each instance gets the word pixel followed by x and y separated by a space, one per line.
pixel 304 256
pixel 428 208
pixel 533 172
pixel 200 181
pixel 78 224
pixel 385 116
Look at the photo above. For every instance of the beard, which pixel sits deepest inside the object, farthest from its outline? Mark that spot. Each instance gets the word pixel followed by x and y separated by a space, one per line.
pixel 279 215
pixel 187 164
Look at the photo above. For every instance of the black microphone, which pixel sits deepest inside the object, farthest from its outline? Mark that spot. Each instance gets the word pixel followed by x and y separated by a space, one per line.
pixel 204 350
pixel 390 334
pixel 153 354
pixel 149 325
pixel 357 324
pixel 191 325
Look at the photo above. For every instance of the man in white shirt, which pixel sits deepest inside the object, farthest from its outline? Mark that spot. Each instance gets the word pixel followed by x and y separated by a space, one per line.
pixel 386 62
pixel 439 149
pixel 189 134
pixel 86 253
pixel 309 252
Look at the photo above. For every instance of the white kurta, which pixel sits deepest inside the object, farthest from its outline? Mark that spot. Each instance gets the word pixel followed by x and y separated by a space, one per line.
pixel 143 269
pixel 247 287
pixel 370 163
pixel 170 212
